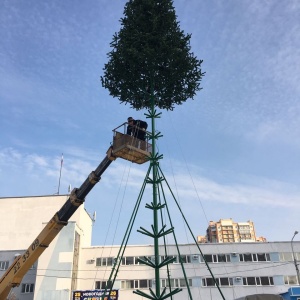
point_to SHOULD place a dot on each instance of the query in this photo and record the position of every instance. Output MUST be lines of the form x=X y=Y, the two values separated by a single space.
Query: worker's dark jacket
x=138 y=129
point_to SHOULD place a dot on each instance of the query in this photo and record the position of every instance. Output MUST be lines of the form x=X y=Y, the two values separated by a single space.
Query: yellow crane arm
x=15 y=273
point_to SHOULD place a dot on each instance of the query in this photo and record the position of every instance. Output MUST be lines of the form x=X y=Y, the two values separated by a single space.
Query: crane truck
x=124 y=146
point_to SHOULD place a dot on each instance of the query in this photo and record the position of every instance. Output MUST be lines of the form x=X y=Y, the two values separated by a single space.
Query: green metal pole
x=155 y=194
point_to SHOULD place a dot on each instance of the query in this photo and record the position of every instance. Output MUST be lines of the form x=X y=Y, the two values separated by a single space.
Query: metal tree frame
x=156 y=178
x=151 y=66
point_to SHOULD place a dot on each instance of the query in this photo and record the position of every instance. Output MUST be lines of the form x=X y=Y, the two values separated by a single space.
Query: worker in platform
x=137 y=128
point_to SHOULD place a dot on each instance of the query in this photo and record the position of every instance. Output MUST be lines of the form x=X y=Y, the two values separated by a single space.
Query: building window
x=128 y=284
x=4 y=265
x=144 y=283
x=208 y=282
x=249 y=281
x=216 y=258
x=136 y=262
x=223 y=258
x=264 y=280
x=182 y=282
x=246 y=257
x=101 y=285
x=222 y=281
x=128 y=260
x=163 y=257
x=263 y=257
x=183 y=258
x=136 y=284
x=176 y=282
x=290 y=280
x=209 y=257
x=143 y=258
x=168 y=282
x=104 y=261
x=27 y=288
x=286 y=256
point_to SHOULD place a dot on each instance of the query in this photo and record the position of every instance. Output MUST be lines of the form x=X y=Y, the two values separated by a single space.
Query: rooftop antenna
x=61 y=164
x=94 y=217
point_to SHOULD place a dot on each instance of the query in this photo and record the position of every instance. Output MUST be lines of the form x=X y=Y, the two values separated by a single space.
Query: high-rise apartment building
x=228 y=231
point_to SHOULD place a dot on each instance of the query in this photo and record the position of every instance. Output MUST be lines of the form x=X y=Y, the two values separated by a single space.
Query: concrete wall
x=23 y=218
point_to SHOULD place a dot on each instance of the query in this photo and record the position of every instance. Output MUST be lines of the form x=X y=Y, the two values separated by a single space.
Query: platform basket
x=131 y=148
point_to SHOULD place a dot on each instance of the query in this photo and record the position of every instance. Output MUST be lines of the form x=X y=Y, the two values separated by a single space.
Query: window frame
x=27 y=288
x=215 y=258
x=258 y=281
x=136 y=284
x=209 y=281
x=105 y=261
x=4 y=264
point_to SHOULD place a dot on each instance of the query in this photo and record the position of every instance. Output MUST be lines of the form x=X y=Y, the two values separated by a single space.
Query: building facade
x=54 y=275
x=71 y=263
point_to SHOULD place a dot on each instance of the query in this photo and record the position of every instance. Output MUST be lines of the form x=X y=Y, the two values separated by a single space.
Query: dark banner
x=95 y=295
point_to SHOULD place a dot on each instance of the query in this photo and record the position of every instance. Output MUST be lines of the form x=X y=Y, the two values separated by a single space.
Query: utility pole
x=61 y=164
x=294 y=258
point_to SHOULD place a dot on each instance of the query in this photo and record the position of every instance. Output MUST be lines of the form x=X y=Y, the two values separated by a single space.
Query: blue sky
x=232 y=152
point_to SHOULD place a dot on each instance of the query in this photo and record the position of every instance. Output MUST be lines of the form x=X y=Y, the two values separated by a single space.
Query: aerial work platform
x=130 y=148
x=124 y=146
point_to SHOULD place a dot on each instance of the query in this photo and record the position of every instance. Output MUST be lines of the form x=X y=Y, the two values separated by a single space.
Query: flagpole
x=61 y=163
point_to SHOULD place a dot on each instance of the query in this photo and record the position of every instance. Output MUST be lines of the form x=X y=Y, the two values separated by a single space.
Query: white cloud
x=273 y=193
x=29 y=174
x=189 y=186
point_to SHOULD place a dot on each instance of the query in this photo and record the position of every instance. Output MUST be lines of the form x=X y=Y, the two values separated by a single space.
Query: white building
x=71 y=263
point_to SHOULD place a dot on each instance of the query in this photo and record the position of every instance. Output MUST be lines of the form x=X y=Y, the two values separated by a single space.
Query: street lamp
x=295 y=261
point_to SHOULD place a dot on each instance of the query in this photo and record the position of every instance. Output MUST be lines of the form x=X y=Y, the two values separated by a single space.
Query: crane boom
x=124 y=146
x=15 y=273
